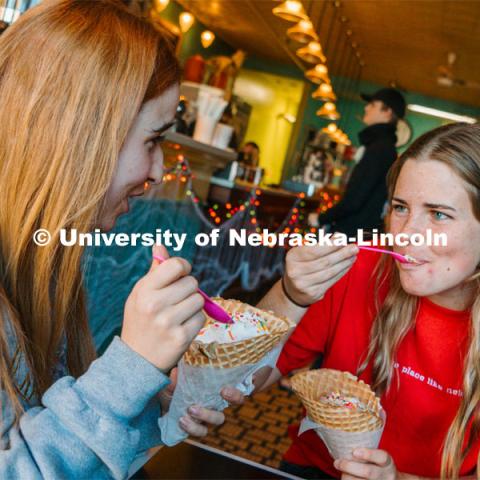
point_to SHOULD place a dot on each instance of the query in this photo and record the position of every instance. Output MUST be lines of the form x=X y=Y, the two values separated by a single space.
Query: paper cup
x=222 y=135
x=340 y=443
x=204 y=129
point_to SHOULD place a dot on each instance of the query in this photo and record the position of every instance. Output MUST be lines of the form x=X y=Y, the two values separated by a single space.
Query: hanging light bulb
x=207 y=37
x=160 y=5
x=337 y=136
x=291 y=10
x=318 y=74
x=324 y=92
x=328 y=110
x=185 y=20
x=330 y=129
x=312 y=53
x=302 y=32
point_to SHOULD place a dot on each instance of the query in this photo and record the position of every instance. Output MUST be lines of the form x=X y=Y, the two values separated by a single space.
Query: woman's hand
x=311 y=270
x=369 y=464
x=163 y=313
x=194 y=423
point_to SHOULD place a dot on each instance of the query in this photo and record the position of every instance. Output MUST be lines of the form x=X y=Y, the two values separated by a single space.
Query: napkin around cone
x=207 y=367
x=342 y=429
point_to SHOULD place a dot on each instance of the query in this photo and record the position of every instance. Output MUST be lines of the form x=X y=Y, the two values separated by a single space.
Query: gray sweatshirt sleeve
x=90 y=427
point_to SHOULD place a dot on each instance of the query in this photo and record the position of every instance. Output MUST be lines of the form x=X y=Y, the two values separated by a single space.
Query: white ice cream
x=246 y=325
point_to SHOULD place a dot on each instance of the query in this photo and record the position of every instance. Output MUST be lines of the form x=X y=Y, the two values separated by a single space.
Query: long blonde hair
x=458 y=146
x=73 y=76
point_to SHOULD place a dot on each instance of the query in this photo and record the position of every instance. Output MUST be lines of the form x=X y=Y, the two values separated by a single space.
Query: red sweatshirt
x=429 y=365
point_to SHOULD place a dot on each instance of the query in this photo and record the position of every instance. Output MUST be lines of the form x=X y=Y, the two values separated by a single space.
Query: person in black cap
x=366 y=193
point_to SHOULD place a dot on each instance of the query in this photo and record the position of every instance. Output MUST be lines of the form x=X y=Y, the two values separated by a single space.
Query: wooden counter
x=275 y=202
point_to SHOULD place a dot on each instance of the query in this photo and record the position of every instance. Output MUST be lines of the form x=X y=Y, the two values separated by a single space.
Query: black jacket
x=366 y=192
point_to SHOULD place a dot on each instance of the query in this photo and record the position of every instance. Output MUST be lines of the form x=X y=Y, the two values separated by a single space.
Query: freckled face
x=430 y=195
x=141 y=158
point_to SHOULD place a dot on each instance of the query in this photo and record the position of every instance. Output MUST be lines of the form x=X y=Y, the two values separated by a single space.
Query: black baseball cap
x=391 y=98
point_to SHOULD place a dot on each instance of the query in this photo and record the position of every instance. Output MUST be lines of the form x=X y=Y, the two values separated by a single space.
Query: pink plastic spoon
x=213 y=309
x=398 y=256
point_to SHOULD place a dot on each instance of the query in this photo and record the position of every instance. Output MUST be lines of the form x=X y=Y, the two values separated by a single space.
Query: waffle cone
x=244 y=352
x=312 y=384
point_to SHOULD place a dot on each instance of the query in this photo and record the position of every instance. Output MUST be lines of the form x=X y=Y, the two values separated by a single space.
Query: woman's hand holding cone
x=196 y=422
x=198 y=418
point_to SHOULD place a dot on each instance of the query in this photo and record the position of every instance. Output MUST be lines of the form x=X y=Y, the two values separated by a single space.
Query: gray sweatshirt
x=92 y=427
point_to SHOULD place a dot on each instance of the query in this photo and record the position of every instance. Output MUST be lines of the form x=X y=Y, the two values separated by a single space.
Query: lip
x=136 y=194
x=410 y=266
x=413 y=266
x=421 y=261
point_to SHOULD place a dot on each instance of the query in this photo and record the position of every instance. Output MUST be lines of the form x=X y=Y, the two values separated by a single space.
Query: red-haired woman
x=86 y=91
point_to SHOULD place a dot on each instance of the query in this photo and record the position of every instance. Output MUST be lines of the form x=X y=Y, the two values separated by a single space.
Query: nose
x=413 y=224
x=156 y=171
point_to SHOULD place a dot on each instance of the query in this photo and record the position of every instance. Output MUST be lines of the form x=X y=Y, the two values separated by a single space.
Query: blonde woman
x=411 y=331
x=86 y=91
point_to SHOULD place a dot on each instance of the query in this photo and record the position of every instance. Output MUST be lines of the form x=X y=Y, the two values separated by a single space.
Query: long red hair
x=73 y=76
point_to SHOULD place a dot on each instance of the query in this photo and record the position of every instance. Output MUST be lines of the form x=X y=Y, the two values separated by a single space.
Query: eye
x=155 y=141
x=438 y=215
x=398 y=208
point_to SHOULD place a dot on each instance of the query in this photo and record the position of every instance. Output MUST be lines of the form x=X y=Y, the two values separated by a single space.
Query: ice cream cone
x=249 y=351
x=341 y=428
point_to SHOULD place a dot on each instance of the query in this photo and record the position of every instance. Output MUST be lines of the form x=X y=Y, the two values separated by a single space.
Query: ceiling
x=401 y=42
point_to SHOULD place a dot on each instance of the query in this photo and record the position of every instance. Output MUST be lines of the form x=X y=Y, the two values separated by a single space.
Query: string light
x=219 y=213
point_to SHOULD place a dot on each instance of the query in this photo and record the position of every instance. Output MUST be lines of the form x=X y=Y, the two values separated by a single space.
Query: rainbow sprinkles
x=245 y=325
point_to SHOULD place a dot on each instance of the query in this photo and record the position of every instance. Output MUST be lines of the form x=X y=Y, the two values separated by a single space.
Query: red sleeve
x=315 y=332
x=310 y=337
